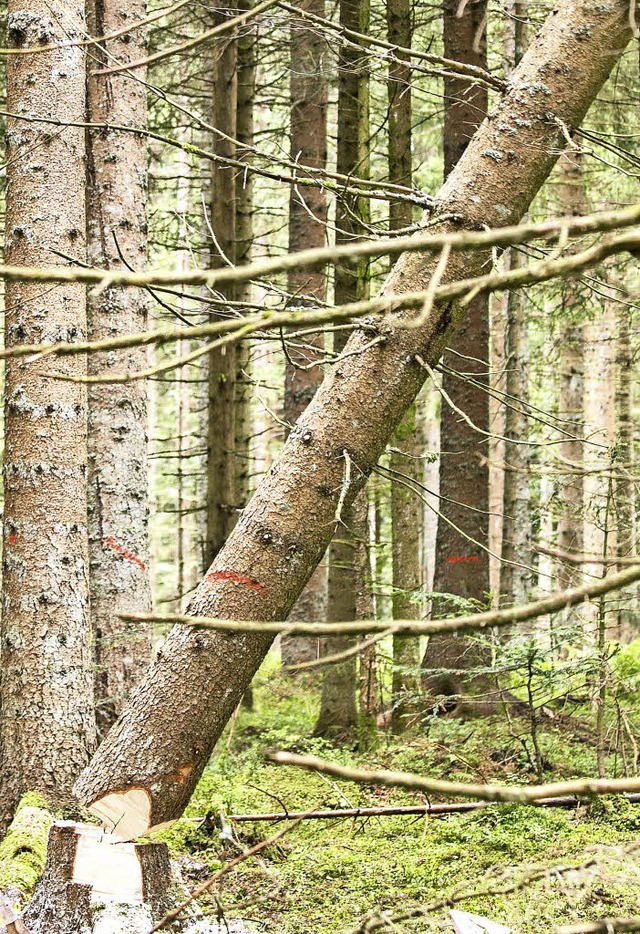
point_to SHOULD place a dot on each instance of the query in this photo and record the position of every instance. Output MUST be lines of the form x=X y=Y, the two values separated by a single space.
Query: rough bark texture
x=47 y=728
x=221 y=467
x=307 y=228
x=117 y=239
x=570 y=491
x=406 y=511
x=462 y=562
x=159 y=747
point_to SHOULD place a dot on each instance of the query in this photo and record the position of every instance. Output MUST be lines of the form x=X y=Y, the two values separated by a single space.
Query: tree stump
x=93 y=883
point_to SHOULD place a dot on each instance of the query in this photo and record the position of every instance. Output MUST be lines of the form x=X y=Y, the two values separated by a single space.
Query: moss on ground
x=328 y=875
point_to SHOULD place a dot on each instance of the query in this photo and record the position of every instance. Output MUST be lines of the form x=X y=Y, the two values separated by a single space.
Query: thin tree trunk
x=47 y=725
x=406 y=511
x=462 y=561
x=147 y=768
x=221 y=466
x=338 y=712
x=246 y=90
x=117 y=238
x=515 y=575
x=625 y=500
x=570 y=493
x=307 y=228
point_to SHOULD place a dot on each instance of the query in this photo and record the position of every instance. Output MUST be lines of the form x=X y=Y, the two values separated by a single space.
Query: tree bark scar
x=127 y=555
x=227 y=575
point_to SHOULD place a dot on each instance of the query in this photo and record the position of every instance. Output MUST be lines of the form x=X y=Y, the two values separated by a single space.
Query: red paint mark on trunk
x=457 y=559
x=127 y=555
x=236 y=579
x=13 y=538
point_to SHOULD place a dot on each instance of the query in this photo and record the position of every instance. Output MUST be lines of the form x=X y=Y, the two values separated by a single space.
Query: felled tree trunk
x=93 y=882
x=145 y=771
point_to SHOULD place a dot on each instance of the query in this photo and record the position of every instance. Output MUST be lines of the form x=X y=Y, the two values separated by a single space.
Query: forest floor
x=330 y=875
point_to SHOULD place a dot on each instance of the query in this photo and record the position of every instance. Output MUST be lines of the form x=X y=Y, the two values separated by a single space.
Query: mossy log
x=24 y=849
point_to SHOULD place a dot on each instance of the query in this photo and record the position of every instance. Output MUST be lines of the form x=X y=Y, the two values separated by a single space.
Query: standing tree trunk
x=47 y=726
x=462 y=561
x=338 y=712
x=406 y=509
x=515 y=574
x=246 y=89
x=221 y=441
x=570 y=492
x=147 y=768
x=117 y=238
x=626 y=482
x=307 y=228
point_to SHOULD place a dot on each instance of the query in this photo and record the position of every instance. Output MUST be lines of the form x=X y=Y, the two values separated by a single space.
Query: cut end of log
x=110 y=867
x=92 y=879
x=126 y=814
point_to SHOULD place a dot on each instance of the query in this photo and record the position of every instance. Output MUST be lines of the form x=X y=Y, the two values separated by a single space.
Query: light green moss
x=325 y=875
x=23 y=851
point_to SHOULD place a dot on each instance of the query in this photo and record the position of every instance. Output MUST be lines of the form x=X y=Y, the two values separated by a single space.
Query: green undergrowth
x=328 y=875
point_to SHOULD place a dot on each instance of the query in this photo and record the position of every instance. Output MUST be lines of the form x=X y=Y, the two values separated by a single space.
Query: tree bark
x=47 y=727
x=146 y=769
x=570 y=493
x=626 y=524
x=338 y=712
x=307 y=228
x=462 y=560
x=117 y=238
x=406 y=512
x=515 y=576
x=221 y=440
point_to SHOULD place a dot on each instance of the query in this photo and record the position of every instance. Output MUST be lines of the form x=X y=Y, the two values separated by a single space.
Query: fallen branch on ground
x=526 y=794
x=457 y=807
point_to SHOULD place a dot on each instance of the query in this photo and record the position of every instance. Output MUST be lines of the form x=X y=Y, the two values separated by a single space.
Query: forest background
x=197 y=138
